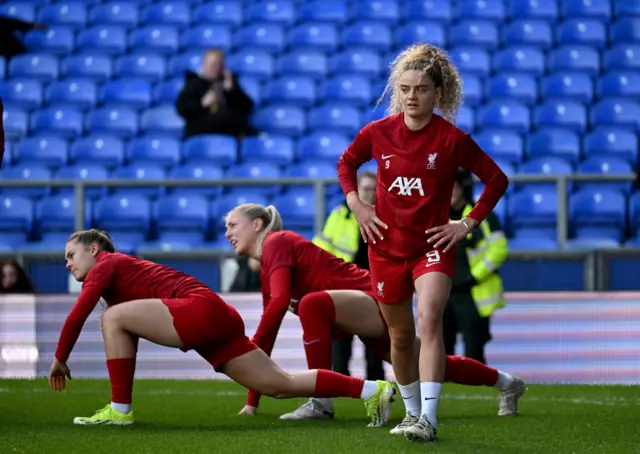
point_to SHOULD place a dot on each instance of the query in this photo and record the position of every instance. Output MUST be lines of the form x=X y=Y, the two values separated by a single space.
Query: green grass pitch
x=200 y=416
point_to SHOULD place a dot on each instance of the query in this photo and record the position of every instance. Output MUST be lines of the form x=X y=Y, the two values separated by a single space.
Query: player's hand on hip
x=248 y=410
x=447 y=235
x=58 y=374
x=370 y=225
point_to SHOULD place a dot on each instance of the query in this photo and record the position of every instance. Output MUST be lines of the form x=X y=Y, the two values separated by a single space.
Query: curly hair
x=436 y=64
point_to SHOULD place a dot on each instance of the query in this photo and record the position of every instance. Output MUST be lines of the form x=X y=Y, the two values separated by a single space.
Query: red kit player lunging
x=332 y=298
x=411 y=238
x=170 y=308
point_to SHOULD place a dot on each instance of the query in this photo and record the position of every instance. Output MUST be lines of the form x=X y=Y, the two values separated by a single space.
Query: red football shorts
x=207 y=324
x=393 y=281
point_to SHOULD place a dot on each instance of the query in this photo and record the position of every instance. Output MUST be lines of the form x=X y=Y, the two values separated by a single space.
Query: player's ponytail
x=270 y=217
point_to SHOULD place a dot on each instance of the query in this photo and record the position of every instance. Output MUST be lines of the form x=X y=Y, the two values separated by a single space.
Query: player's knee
x=311 y=306
x=402 y=339
x=429 y=320
x=110 y=319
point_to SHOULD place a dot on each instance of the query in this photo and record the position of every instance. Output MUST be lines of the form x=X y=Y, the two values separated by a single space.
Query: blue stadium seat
x=197 y=171
x=124 y=13
x=576 y=58
x=47 y=151
x=332 y=11
x=471 y=60
x=303 y=63
x=167 y=91
x=27 y=172
x=127 y=242
x=616 y=112
x=71 y=14
x=603 y=165
x=431 y=32
x=340 y=118
x=278 y=150
x=558 y=142
x=64 y=121
x=312 y=36
x=367 y=34
x=101 y=149
x=122 y=213
x=512 y=86
x=586 y=8
x=505 y=145
x=55 y=40
x=573 y=86
x=351 y=89
x=254 y=63
x=221 y=206
x=187 y=214
x=155 y=149
x=328 y=145
x=466 y=119
x=88 y=172
x=280 y=119
x=612 y=141
x=219 y=12
x=87 y=66
x=440 y=10
x=524 y=59
x=598 y=213
x=213 y=149
x=626 y=8
x=525 y=243
x=42 y=67
x=148 y=66
x=634 y=214
x=15 y=122
x=588 y=32
x=16 y=215
x=139 y=172
x=254 y=171
x=528 y=32
x=21 y=92
x=106 y=39
x=168 y=12
x=473 y=89
x=623 y=84
x=625 y=30
x=386 y=11
x=17 y=9
x=3 y=67
x=117 y=120
x=546 y=165
x=161 y=119
x=253 y=88
x=297 y=208
x=163 y=39
x=534 y=210
x=72 y=92
x=204 y=37
x=470 y=32
x=276 y=11
x=312 y=169
x=622 y=57
x=356 y=61
x=481 y=9
x=7 y=157
x=506 y=114
x=264 y=36
x=129 y=92
x=533 y=9
x=291 y=90
x=187 y=61
x=563 y=114
x=57 y=214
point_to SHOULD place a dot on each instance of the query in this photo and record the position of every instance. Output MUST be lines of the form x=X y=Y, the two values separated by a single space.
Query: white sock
x=430 y=398
x=411 y=397
x=504 y=380
x=369 y=389
x=122 y=408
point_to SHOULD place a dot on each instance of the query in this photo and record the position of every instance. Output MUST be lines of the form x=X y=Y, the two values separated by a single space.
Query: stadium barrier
x=544 y=337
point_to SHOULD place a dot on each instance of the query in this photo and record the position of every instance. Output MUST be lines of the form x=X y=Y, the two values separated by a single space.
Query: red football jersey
x=416 y=174
x=119 y=278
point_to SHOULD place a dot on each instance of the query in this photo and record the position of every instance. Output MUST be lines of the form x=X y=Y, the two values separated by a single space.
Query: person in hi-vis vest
x=341 y=237
x=476 y=291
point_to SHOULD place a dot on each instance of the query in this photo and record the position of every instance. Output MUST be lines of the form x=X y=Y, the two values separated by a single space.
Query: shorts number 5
x=433 y=257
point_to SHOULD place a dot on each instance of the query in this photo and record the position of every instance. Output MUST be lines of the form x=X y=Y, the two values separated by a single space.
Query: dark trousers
x=461 y=316
x=342 y=350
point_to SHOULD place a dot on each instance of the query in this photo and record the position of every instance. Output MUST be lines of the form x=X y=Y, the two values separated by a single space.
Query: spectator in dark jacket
x=212 y=101
x=10 y=44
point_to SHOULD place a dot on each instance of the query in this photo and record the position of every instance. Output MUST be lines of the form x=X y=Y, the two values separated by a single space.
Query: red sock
x=121 y=371
x=333 y=384
x=467 y=371
x=317 y=317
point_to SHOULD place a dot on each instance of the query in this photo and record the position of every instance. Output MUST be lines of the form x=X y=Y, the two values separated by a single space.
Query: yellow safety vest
x=340 y=235
x=485 y=258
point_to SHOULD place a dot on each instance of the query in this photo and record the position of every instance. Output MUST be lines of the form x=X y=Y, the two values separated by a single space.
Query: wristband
x=464 y=222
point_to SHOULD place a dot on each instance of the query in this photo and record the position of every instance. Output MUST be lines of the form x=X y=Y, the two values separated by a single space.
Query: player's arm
x=351 y=160
x=471 y=157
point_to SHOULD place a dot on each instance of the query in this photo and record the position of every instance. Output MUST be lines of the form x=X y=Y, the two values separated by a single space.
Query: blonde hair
x=434 y=62
x=271 y=220
x=88 y=237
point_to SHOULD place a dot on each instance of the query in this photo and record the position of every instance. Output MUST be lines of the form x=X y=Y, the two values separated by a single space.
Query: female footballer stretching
x=173 y=309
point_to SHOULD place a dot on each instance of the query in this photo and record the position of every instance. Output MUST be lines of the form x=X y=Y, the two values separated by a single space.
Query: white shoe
x=312 y=409
x=421 y=431
x=509 y=397
x=407 y=422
